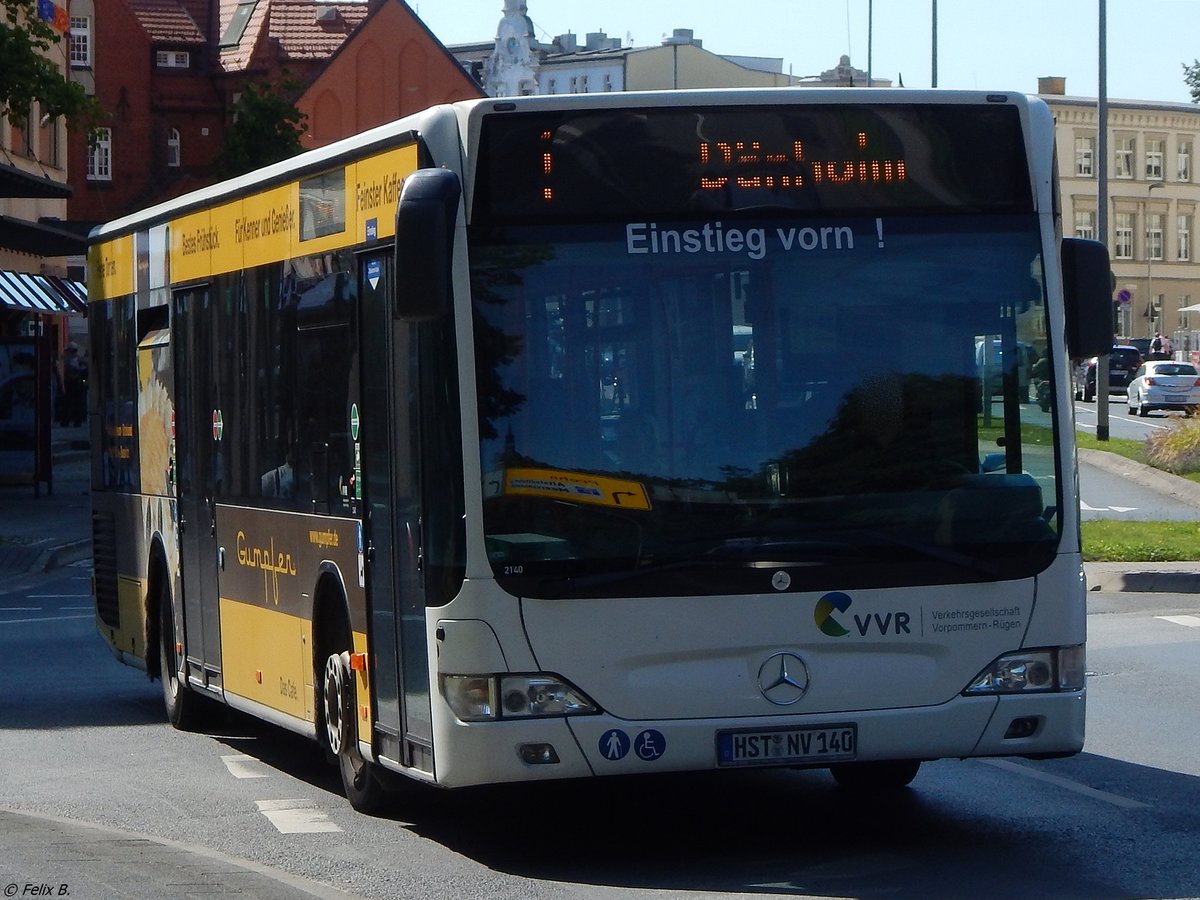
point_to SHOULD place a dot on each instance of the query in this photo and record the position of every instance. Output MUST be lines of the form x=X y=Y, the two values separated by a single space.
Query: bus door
x=198 y=470
x=391 y=482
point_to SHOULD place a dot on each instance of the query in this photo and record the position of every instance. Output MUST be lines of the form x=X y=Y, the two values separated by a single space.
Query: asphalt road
x=243 y=807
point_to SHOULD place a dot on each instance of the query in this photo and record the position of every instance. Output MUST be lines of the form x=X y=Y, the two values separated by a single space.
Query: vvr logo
x=836 y=601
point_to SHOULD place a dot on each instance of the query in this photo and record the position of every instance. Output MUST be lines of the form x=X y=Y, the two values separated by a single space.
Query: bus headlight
x=483 y=698
x=1042 y=670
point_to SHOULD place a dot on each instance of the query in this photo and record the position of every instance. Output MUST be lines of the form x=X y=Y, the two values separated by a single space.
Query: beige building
x=1154 y=194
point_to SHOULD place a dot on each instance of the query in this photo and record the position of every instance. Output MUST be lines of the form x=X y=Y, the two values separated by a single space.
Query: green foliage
x=1191 y=77
x=27 y=75
x=266 y=128
x=1126 y=447
x=1115 y=540
x=1175 y=449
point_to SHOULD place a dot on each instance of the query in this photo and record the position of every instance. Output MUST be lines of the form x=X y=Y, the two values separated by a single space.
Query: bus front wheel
x=362 y=782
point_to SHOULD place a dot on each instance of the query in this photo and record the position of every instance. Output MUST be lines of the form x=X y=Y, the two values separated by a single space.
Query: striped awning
x=42 y=293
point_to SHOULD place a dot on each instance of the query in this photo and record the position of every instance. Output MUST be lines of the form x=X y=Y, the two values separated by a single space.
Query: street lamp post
x=1149 y=275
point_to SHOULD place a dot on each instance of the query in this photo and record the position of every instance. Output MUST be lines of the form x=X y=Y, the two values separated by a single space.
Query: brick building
x=170 y=71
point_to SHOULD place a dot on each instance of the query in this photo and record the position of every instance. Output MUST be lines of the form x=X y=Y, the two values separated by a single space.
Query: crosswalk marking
x=1189 y=621
x=242 y=766
x=295 y=816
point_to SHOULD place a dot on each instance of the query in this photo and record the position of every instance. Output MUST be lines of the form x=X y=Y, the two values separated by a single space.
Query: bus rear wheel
x=873 y=777
x=360 y=778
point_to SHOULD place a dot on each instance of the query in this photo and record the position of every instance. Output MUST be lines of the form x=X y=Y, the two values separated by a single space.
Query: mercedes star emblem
x=783 y=678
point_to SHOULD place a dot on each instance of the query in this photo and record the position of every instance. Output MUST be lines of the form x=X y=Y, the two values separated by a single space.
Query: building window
x=1123 y=167
x=1154 y=158
x=1085 y=151
x=19 y=139
x=80 y=40
x=583 y=83
x=551 y=85
x=49 y=151
x=1183 y=161
x=99 y=166
x=1185 y=300
x=1154 y=236
x=172 y=59
x=1123 y=244
x=574 y=84
x=1183 y=226
x=1085 y=224
x=173 y=148
x=608 y=81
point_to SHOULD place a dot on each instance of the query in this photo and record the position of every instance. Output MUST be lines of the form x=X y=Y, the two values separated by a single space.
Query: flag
x=54 y=15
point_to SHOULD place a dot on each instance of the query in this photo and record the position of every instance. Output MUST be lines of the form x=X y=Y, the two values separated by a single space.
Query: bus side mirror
x=425 y=219
x=1087 y=297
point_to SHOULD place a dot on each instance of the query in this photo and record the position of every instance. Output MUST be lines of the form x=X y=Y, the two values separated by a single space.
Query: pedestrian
x=1166 y=347
x=74 y=386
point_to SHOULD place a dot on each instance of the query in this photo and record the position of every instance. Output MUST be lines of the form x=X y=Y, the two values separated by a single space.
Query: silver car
x=1164 y=384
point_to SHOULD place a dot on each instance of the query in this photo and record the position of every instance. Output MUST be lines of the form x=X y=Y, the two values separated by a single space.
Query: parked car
x=1164 y=384
x=1123 y=361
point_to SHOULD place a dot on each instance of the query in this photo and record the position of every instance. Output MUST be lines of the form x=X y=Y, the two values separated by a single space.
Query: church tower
x=511 y=70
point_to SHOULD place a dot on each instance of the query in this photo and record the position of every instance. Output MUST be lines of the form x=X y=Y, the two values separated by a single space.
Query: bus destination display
x=615 y=163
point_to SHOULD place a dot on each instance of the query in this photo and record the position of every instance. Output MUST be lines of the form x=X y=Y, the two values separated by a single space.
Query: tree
x=1191 y=77
x=27 y=74
x=266 y=128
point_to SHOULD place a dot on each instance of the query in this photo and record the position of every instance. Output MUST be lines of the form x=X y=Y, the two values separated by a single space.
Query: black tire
x=362 y=780
x=1143 y=410
x=185 y=708
x=1089 y=394
x=876 y=777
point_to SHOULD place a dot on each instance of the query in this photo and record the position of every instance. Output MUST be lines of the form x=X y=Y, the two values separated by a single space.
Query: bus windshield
x=847 y=414
x=710 y=361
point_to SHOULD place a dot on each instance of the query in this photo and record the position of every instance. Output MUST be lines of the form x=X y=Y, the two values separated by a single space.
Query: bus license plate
x=784 y=746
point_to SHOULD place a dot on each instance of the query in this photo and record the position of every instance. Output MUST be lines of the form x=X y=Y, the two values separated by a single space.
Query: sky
x=1003 y=45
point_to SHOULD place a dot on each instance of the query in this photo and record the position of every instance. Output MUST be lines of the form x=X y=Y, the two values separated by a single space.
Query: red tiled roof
x=302 y=29
x=166 y=21
x=307 y=30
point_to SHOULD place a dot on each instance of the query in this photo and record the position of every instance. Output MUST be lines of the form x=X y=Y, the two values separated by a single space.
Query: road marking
x=1122 y=509
x=242 y=766
x=295 y=816
x=58 y=596
x=1189 y=621
x=1114 y=799
x=44 y=619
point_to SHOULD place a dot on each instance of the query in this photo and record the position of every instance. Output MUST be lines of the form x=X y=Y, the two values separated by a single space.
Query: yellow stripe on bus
x=110 y=269
x=266 y=656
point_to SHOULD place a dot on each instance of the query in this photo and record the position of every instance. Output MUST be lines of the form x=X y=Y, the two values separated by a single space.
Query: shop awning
x=40 y=239
x=15 y=182
x=42 y=293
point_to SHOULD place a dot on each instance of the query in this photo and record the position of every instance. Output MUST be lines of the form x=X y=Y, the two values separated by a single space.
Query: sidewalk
x=55 y=529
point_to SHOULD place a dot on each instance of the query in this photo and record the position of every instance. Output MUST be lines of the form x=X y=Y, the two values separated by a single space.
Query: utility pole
x=1102 y=208
x=933 y=80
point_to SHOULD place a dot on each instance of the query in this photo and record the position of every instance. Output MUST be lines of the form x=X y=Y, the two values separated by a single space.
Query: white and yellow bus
x=572 y=436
